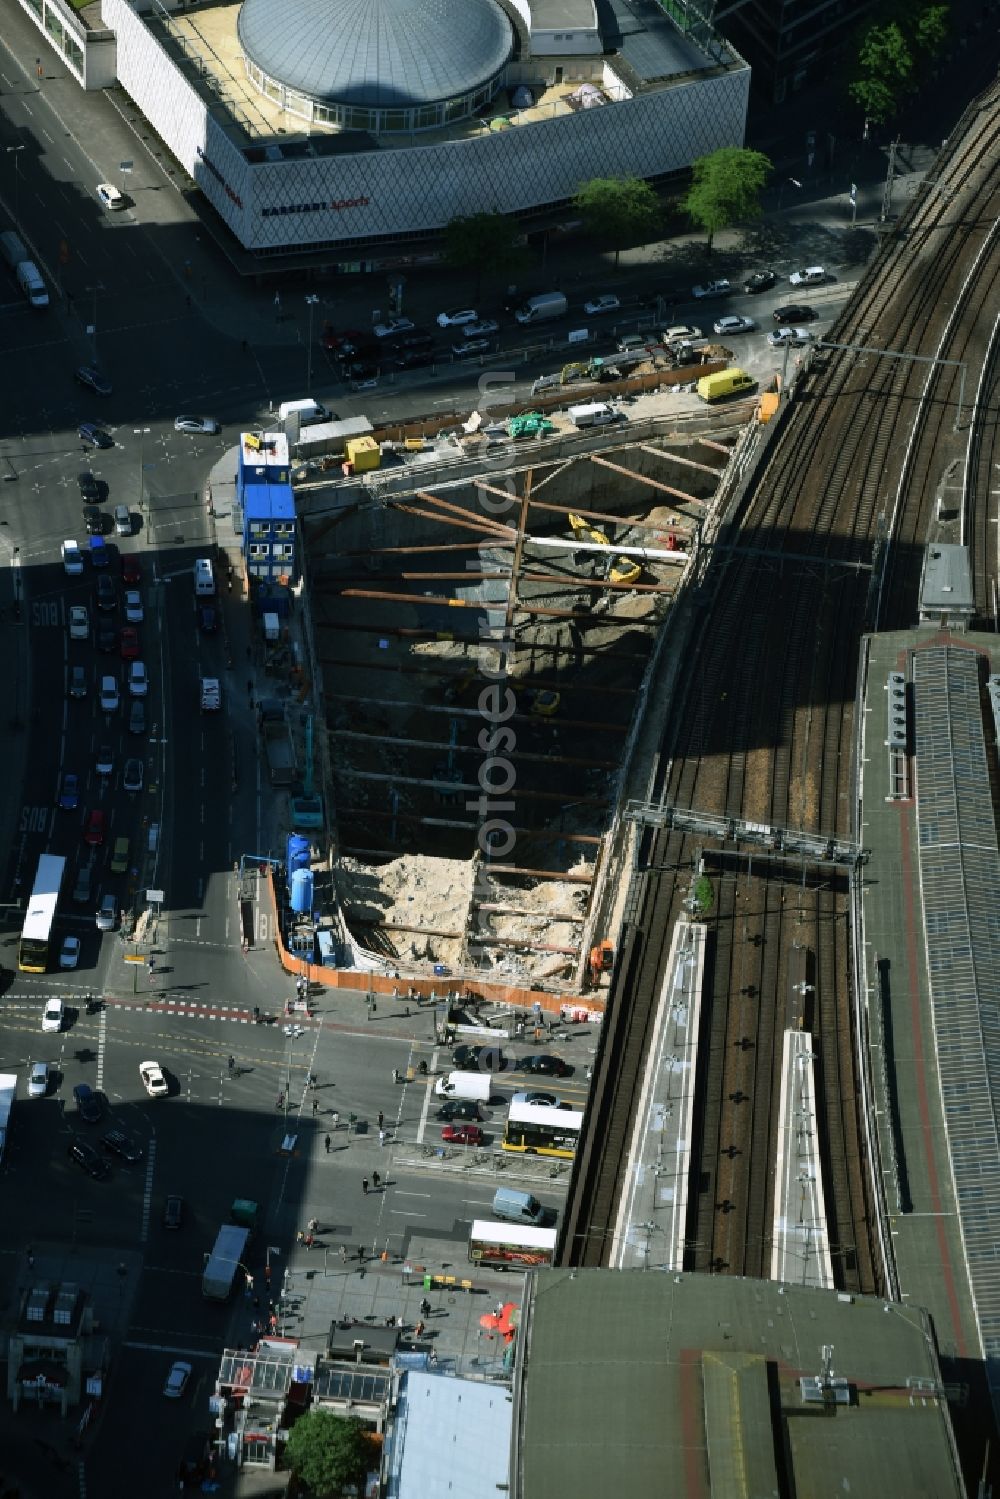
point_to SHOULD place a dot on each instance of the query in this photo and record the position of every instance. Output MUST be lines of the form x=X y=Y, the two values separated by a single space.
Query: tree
x=482 y=241
x=621 y=211
x=889 y=55
x=328 y=1452
x=726 y=188
x=931 y=29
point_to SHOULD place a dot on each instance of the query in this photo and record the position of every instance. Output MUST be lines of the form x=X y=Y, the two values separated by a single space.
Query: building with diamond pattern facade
x=312 y=124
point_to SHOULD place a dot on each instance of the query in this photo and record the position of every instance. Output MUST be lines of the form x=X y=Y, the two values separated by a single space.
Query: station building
x=310 y=126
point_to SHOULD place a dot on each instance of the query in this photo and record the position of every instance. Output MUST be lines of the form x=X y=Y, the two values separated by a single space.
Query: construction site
x=485 y=641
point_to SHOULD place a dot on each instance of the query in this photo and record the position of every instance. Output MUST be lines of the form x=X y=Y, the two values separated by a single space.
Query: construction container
x=363 y=453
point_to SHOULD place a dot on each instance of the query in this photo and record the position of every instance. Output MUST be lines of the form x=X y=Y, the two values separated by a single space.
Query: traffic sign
x=155 y=897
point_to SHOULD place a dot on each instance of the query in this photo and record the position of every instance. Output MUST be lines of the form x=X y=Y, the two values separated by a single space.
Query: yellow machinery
x=620 y=569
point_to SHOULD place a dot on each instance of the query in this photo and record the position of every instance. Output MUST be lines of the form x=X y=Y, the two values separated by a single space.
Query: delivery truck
x=544 y=307
x=474 y=1086
x=223 y=1263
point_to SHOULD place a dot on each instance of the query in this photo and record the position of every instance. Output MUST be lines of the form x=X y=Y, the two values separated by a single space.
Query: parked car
x=177 y=1379
x=545 y=1066
x=117 y=1142
x=812 y=275
x=598 y=305
x=393 y=327
x=94 y=379
x=132 y=775
x=173 y=1212
x=794 y=336
x=93 y=521
x=105 y=636
x=38 y=1079
x=474 y=346
x=109 y=695
x=94 y=434
x=88 y=1159
x=72 y=559
x=414 y=359
x=138 y=682
x=106 y=593
x=131 y=568
x=128 y=643
x=478 y=1059
x=457 y=318
x=760 y=281
x=88 y=1103
x=540 y=1100
x=53 y=1015
x=711 y=289
x=69 y=794
x=458 y=1109
x=730 y=325
x=69 y=951
x=197 y=425
x=462 y=1134
x=110 y=196
x=79 y=622
x=363 y=376
x=77 y=682
x=107 y=913
x=133 y=606
x=153 y=1080
x=680 y=333
x=95 y=827
x=91 y=490
x=792 y=313
x=137 y=716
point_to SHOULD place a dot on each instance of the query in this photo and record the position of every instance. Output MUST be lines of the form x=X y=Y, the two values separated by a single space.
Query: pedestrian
x=376 y=1180
x=418 y=1331
x=381 y=1118
x=343 y=1254
x=335 y=1118
x=433 y=1358
x=395 y=1074
x=498 y=1309
x=364 y=1185
x=315 y=1107
x=299 y=1236
x=381 y=1137
x=313 y=1225
x=267 y=1274
x=274 y=1322
x=425 y=1308
x=309 y=1241
x=232 y=1064
x=326 y=1142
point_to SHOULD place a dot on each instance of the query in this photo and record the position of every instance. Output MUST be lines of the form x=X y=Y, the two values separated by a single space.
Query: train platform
x=913 y=1144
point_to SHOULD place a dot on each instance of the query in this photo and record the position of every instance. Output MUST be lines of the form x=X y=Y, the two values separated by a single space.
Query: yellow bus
x=534 y=1129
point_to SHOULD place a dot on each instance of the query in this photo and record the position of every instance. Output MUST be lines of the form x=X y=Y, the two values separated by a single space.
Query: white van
x=204 y=578
x=29 y=279
x=474 y=1086
x=595 y=414
x=518 y=1207
x=307 y=410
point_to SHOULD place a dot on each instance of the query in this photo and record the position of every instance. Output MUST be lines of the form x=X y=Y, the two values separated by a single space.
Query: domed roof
x=376 y=54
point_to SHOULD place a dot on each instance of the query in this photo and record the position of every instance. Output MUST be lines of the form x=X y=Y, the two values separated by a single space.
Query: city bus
x=36 y=934
x=537 y=1130
x=503 y=1246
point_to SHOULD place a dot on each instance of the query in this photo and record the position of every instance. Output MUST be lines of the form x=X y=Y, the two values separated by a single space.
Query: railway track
x=764 y=726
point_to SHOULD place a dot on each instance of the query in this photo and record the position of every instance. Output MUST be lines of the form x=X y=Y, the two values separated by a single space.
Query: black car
x=208 y=620
x=137 y=716
x=88 y=1159
x=88 y=1103
x=173 y=1212
x=416 y=341
x=787 y=317
x=458 y=1109
x=414 y=359
x=760 y=281
x=478 y=1059
x=544 y=1066
x=92 y=433
x=106 y=597
x=94 y=379
x=106 y=636
x=91 y=489
x=93 y=519
x=117 y=1142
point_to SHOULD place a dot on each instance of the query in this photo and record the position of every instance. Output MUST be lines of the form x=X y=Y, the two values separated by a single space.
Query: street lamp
x=15 y=151
x=142 y=433
x=311 y=302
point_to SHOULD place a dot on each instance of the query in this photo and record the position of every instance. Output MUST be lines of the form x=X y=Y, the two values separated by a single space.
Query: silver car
x=197 y=424
x=107 y=914
x=38 y=1080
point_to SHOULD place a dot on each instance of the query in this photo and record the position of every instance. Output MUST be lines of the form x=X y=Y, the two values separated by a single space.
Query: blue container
x=302 y=891
x=296 y=853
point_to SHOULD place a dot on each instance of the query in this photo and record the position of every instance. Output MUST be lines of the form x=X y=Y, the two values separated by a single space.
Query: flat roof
x=626 y=1377
x=264 y=501
x=451 y=1439
x=946 y=584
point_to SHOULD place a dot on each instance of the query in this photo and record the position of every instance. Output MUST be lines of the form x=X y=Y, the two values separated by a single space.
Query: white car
x=110 y=196
x=38 y=1080
x=109 y=695
x=52 y=1015
x=79 y=622
x=793 y=336
x=597 y=305
x=69 y=953
x=153 y=1080
x=711 y=289
x=456 y=319
x=177 y=1379
x=813 y=275
x=680 y=333
x=393 y=326
x=734 y=325
x=485 y=328
x=133 y=606
x=72 y=559
x=107 y=914
x=138 y=682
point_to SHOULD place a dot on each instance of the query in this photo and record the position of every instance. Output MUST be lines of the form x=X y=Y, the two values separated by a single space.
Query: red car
x=462 y=1134
x=131 y=568
x=93 y=828
x=129 y=643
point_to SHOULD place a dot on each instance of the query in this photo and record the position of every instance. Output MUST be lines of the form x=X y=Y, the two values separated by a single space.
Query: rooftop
x=452 y=1438
x=702 y=1377
x=946 y=584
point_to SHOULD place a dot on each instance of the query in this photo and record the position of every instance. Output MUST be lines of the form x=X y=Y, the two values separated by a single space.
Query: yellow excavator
x=620 y=569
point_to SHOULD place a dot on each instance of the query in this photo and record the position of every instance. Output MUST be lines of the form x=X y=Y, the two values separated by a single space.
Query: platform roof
x=626 y=1377
x=946 y=585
